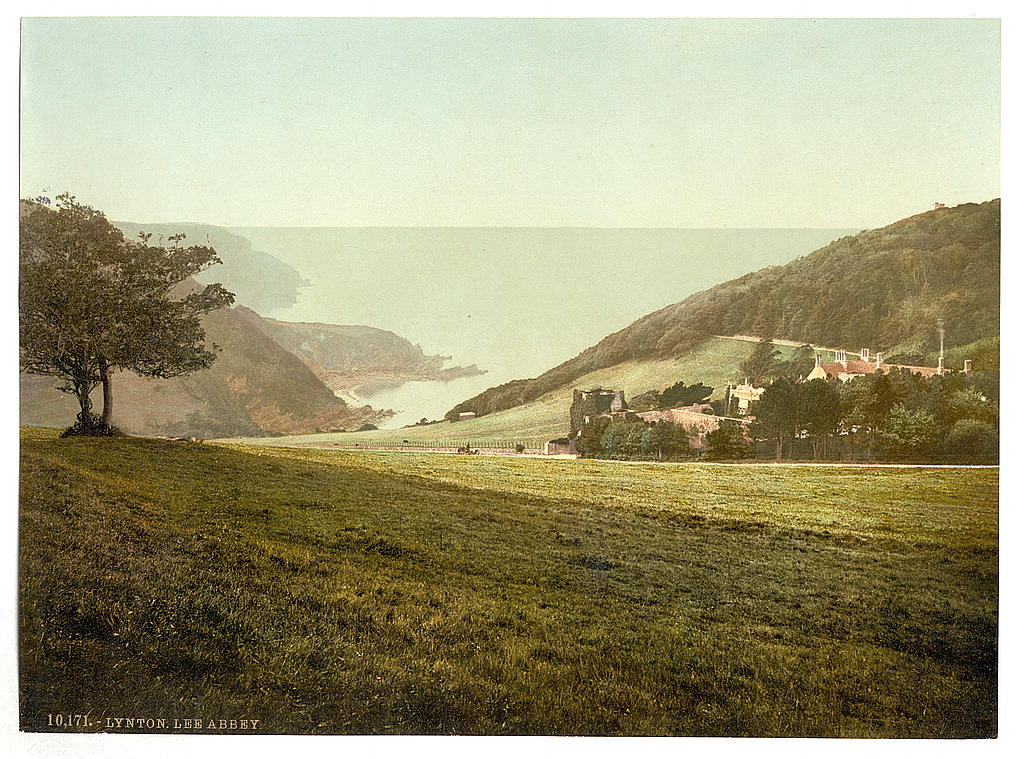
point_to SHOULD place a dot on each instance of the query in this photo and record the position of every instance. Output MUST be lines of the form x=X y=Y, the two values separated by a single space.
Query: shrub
x=90 y=425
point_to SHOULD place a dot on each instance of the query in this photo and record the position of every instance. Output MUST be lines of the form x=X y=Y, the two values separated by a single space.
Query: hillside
x=327 y=592
x=356 y=358
x=888 y=289
x=257 y=279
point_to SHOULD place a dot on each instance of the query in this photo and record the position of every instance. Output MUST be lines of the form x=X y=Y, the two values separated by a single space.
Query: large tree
x=779 y=414
x=763 y=360
x=92 y=302
x=820 y=412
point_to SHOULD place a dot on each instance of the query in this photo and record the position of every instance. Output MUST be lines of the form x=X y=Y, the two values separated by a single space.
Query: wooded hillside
x=888 y=289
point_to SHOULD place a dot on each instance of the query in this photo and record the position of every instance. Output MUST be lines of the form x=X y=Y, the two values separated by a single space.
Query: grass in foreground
x=345 y=592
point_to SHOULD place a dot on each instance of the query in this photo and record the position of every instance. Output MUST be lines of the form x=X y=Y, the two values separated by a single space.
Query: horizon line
x=475 y=226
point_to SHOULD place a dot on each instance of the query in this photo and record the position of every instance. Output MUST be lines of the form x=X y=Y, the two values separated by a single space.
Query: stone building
x=746 y=394
x=594 y=402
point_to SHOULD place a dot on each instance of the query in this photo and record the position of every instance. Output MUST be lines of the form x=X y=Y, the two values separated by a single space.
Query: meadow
x=361 y=592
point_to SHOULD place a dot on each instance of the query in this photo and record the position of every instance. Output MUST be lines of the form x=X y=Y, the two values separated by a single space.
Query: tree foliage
x=633 y=439
x=92 y=302
x=681 y=394
x=727 y=443
x=898 y=416
x=764 y=358
x=972 y=441
x=799 y=365
x=910 y=433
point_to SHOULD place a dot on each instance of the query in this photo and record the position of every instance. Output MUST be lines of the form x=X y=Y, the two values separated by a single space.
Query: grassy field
x=715 y=363
x=360 y=592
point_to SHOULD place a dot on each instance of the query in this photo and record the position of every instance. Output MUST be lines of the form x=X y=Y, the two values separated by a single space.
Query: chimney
x=942 y=350
x=967 y=366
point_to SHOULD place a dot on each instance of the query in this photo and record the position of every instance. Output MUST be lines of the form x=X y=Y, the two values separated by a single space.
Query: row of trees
x=679 y=394
x=898 y=416
x=92 y=302
x=632 y=438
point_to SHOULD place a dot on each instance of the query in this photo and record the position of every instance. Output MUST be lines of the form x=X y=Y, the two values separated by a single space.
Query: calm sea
x=515 y=301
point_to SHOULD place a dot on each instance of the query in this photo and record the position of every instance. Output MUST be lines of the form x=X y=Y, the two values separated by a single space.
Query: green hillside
x=348 y=592
x=888 y=289
x=715 y=362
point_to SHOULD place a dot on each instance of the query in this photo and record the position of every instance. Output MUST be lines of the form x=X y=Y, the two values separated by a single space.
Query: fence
x=492 y=447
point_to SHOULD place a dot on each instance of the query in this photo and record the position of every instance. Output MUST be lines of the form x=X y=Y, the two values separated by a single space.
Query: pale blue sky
x=485 y=122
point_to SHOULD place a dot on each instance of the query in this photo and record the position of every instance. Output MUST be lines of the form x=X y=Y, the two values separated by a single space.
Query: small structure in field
x=562 y=446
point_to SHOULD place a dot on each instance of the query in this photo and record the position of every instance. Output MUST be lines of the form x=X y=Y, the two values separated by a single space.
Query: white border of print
x=114 y=746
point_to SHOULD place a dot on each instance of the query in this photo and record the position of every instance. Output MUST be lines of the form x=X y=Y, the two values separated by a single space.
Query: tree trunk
x=82 y=393
x=108 y=396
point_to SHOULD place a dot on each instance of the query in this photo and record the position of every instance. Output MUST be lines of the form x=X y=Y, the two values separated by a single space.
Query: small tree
x=779 y=413
x=611 y=440
x=631 y=445
x=820 y=412
x=92 y=302
x=665 y=440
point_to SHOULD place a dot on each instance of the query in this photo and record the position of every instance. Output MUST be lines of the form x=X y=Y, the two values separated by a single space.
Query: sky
x=448 y=122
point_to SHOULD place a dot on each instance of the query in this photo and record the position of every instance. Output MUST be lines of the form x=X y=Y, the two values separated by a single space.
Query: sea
x=515 y=301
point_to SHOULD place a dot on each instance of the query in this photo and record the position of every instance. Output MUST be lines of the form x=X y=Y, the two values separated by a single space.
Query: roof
x=856 y=366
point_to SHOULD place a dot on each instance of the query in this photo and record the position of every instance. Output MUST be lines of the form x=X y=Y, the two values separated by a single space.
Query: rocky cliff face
x=357 y=358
